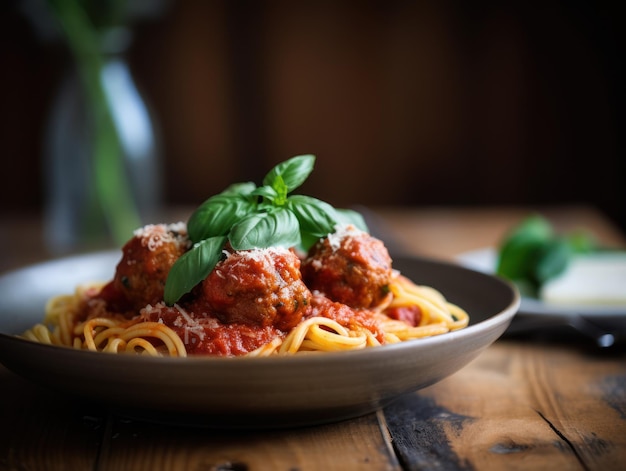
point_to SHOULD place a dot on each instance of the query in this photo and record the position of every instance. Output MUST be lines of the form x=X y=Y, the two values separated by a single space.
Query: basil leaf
x=267 y=192
x=348 y=216
x=281 y=189
x=316 y=217
x=243 y=189
x=552 y=260
x=521 y=249
x=217 y=215
x=532 y=254
x=293 y=172
x=192 y=267
x=276 y=228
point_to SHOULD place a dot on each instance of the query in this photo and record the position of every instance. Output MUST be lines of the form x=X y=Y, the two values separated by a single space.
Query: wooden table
x=531 y=402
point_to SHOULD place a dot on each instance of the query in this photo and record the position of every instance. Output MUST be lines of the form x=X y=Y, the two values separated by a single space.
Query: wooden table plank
x=358 y=444
x=533 y=403
x=524 y=403
x=519 y=405
x=576 y=394
x=45 y=430
x=52 y=431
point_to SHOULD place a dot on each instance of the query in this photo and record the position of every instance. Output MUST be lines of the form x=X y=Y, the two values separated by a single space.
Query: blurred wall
x=411 y=103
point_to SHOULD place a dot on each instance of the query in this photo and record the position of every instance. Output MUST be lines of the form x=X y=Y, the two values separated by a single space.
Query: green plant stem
x=111 y=181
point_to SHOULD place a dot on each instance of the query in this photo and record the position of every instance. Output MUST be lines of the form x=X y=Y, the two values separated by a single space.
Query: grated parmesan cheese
x=154 y=236
x=263 y=256
x=192 y=326
x=258 y=254
x=184 y=320
x=341 y=233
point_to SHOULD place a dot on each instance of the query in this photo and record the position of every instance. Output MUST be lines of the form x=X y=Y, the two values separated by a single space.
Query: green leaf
x=519 y=251
x=533 y=254
x=266 y=192
x=192 y=267
x=293 y=172
x=348 y=216
x=276 y=228
x=316 y=217
x=281 y=190
x=243 y=189
x=552 y=260
x=217 y=215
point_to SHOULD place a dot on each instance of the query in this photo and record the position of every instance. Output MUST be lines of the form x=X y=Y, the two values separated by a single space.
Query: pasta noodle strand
x=114 y=334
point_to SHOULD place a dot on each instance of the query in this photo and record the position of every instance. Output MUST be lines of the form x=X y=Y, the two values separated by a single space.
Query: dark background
x=408 y=103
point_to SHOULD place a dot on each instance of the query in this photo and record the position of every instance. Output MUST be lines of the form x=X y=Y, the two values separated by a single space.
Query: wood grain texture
x=45 y=430
x=518 y=406
x=52 y=432
x=352 y=445
x=527 y=402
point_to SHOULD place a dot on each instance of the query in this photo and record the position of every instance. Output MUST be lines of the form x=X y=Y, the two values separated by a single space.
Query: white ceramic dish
x=242 y=392
x=603 y=323
x=485 y=260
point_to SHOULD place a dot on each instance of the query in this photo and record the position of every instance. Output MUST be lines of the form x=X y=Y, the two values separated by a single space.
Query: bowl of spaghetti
x=264 y=309
x=233 y=392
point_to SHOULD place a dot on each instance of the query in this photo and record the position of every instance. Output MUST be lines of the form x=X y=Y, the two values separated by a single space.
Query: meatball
x=146 y=261
x=350 y=267
x=260 y=287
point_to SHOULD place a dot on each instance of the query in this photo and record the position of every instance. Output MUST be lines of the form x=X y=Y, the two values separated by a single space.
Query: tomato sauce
x=412 y=315
x=250 y=297
x=344 y=315
x=205 y=334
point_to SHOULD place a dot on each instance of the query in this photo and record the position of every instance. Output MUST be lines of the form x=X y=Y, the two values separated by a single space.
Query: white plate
x=604 y=324
x=248 y=392
x=485 y=260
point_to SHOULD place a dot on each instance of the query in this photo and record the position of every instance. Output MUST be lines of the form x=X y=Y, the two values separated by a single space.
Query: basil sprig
x=250 y=216
x=532 y=253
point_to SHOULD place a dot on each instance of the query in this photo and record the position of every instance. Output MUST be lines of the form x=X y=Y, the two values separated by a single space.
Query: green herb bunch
x=532 y=253
x=249 y=216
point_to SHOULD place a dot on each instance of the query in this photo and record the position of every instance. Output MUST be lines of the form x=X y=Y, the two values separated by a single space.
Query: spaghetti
x=116 y=334
x=113 y=334
x=256 y=271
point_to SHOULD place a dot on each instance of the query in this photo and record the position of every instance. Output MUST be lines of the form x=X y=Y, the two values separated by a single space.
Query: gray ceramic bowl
x=241 y=392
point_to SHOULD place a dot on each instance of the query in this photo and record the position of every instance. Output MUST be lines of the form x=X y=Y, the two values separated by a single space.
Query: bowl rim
x=503 y=317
